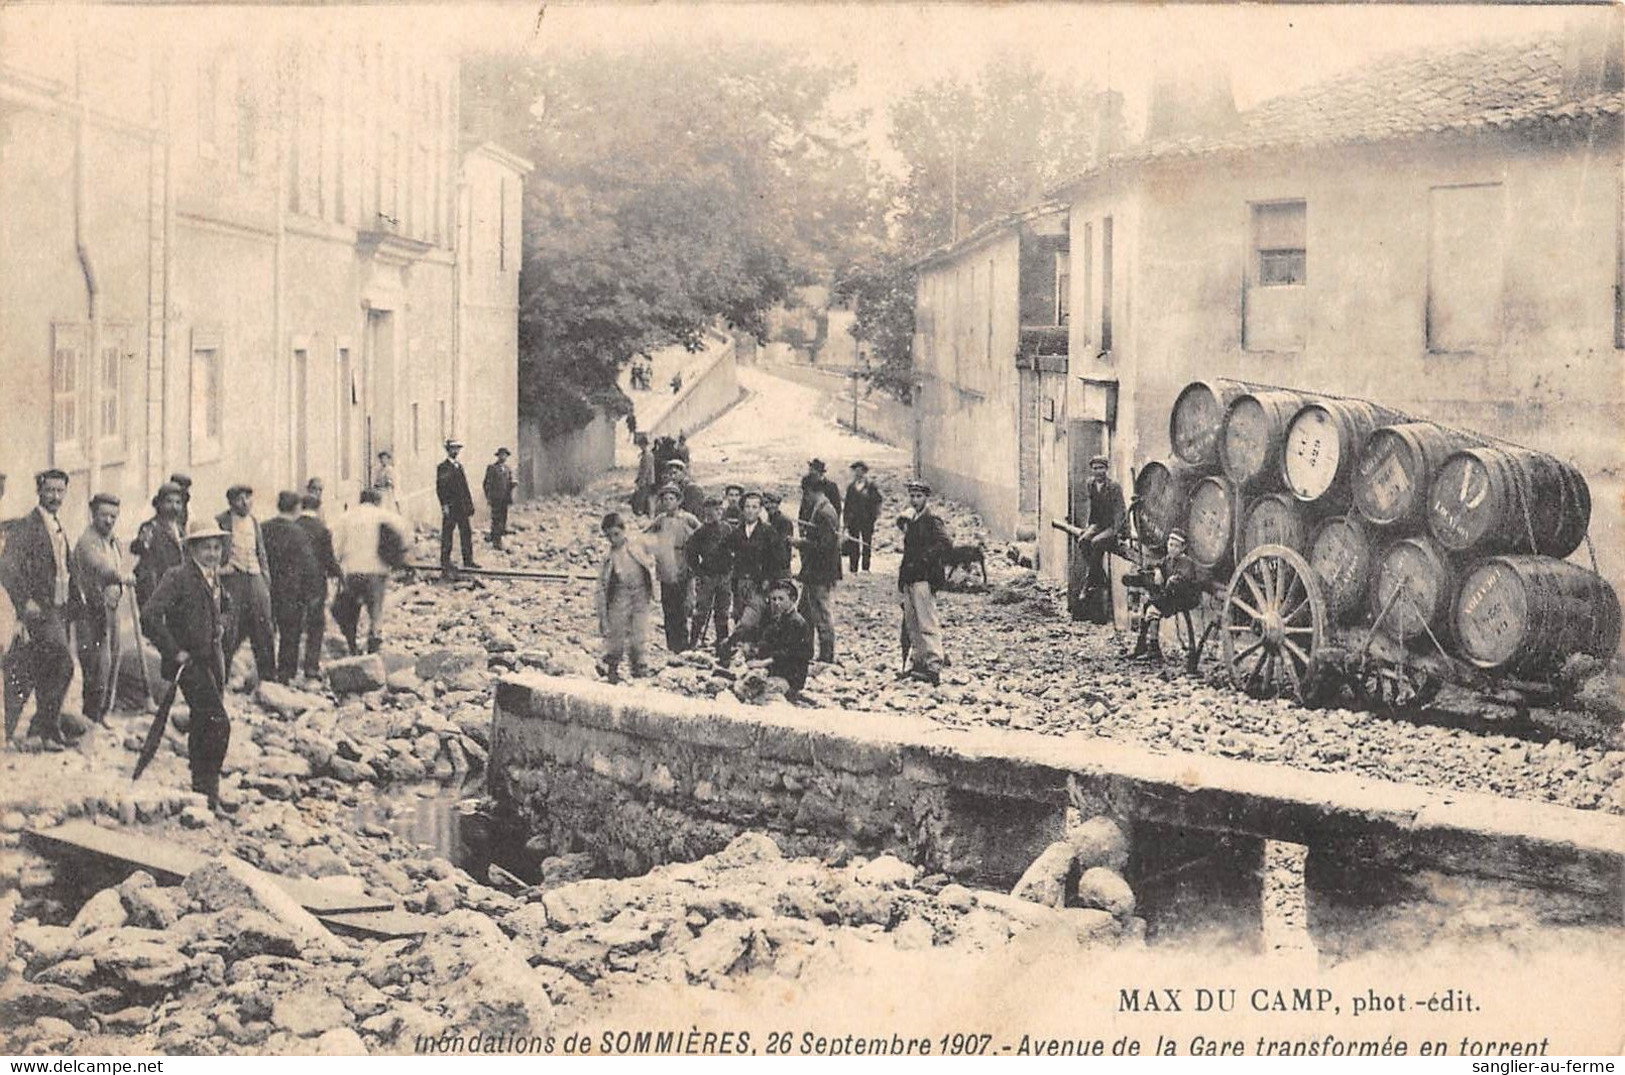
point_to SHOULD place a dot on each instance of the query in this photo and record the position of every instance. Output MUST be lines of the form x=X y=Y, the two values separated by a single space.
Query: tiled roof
x=1496 y=86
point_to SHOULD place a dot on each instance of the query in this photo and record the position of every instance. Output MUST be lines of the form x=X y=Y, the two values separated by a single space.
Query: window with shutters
x=111 y=400
x=67 y=394
x=208 y=419
x=1466 y=263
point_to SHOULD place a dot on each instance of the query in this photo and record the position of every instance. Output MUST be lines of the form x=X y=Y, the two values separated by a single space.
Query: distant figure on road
x=456 y=505
x=499 y=486
x=863 y=501
x=625 y=584
x=677 y=382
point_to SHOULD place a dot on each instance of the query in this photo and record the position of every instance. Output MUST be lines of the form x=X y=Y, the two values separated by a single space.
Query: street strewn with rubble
x=327 y=781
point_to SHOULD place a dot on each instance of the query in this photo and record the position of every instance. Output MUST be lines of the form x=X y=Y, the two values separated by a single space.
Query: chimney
x=1111 y=128
x=1593 y=42
x=1190 y=98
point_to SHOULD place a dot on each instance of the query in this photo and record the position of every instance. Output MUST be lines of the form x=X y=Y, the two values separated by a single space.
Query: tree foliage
x=988 y=146
x=672 y=190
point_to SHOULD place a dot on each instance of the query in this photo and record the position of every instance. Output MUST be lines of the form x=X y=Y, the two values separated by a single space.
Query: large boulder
x=1106 y=890
x=309 y=1013
x=104 y=910
x=1099 y=842
x=1045 y=880
x=286 y=702
x=357 y=675
x=446 y=663
x=485 y=984
x=227 y=882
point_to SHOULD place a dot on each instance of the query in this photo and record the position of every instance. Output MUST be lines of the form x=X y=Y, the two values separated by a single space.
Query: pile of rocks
x=1084 y=869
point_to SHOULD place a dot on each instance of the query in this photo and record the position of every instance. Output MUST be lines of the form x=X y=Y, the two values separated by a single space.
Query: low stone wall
x=641 y=777
x=705 y=396
x=566 y=464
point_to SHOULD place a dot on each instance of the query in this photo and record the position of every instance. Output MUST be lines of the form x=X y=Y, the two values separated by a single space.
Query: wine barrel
x=1322 y=448
x=1210 y=523
x=1275 y=519
x=1164 y=492
x=1493 y=499
x=1419 y=568
x=1526 y=614
x=1197 y=420
x=1254 y=431
x=1341 y=556
x=1396 y=469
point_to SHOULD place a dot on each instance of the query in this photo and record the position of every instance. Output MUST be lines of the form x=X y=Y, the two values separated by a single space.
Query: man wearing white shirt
x=357 y=537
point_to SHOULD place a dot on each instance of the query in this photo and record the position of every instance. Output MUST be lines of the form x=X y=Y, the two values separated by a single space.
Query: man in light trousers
x=925 y=543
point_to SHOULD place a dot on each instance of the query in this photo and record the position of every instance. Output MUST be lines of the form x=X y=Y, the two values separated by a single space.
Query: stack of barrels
x=1430 y=533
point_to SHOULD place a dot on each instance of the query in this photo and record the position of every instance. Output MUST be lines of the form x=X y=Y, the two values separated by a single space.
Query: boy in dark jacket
x=760 y=555
x=784 y=642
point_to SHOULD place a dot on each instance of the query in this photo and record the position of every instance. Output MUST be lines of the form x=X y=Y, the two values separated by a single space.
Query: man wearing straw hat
x=186 y=620
x=101 y=574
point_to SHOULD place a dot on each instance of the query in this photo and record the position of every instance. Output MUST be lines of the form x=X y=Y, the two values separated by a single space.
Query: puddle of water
x=446 y=817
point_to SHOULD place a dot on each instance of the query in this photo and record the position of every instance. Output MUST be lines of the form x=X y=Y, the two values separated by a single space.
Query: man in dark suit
x=456 y=505
x=186 y=620
x=499 y=486
x=246 y=574
x=321 y=543
x=820 y=546
x=1103 y=518
x=296 y=581
x=34 y=570
x=160 y=541
x=760 y=555
x=863 y=502
x=816 y=475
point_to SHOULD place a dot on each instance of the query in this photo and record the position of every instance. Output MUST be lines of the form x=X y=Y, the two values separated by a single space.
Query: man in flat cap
x=456 y=505
x=160 y=541
x=1175 y=586
x=925 y=544
x=863 y=500
x=245 y=572
x=186 y=619
x=668 y=536
x=711 y=561
x=820 y=545
x=1103 y=517
x=101 y=573
x=499 y=486
x=36 y=573
x=783 y=645
x=675 y=472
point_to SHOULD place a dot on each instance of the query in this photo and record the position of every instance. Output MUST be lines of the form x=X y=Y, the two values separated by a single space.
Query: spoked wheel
x=1387 y=688
x=1274 y=618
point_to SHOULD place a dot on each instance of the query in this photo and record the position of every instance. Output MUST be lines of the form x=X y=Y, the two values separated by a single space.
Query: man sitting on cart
x=1173 y=585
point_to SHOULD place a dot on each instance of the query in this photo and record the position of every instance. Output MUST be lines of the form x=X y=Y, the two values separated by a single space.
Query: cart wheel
x=1386 y=688
x=1274 y=620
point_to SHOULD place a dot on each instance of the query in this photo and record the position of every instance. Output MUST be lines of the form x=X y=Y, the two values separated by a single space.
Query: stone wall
x=641 y=777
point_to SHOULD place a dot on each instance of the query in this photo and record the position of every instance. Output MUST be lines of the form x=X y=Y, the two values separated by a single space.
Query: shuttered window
x=67 y=382
x=1280 y=245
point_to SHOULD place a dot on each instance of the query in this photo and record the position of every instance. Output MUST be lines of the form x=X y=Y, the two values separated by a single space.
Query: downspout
x=158 y=455
x=279 y=356
x=92 y=293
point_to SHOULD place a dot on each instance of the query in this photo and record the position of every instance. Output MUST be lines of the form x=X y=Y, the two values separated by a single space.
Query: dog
x=965 y=557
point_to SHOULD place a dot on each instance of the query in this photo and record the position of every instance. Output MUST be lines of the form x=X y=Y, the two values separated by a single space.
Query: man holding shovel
x=100 y=571
x=185 y=619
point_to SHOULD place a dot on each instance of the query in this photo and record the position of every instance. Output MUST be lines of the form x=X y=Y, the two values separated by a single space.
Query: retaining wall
x=642 y=777
x=880 y=416
x=564 y=464
x=705 y=395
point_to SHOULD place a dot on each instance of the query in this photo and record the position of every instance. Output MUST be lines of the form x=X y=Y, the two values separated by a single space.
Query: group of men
x=724 y=563
x=200 y=586
x=457 y=501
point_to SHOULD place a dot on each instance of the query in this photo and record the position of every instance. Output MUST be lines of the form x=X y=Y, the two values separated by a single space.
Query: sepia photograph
x=834 y=530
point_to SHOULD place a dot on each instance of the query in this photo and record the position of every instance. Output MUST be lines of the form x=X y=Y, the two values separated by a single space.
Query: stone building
x=1440 y=232
x=248 y=253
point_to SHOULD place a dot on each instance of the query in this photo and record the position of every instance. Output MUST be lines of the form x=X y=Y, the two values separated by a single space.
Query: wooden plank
x=171 y=862
x=380 y=925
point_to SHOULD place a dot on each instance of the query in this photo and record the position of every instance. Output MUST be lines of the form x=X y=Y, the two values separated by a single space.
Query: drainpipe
x=92 y=293
x=158 y=363
x=279 y=356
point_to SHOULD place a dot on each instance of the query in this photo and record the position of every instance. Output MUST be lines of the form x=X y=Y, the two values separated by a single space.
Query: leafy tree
x=672 y=189
x=986 y=146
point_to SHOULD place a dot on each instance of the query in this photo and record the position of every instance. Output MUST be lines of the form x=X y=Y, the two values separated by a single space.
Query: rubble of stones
x=1016 y=662
x=225 y=963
